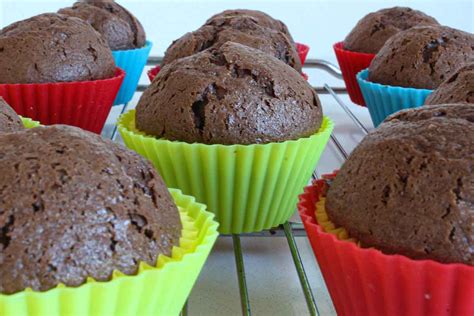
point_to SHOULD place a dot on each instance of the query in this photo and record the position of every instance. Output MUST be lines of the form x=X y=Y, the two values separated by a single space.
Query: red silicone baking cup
x=155 y=70
x=368 y=282
x=351 y=63
x=85 y=104
x=302 y=50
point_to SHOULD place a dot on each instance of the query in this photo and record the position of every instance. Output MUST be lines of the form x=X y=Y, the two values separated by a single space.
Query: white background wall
x=318 y=23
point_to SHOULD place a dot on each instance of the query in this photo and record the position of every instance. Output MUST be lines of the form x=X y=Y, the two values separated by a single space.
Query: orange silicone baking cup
x=351 y=63
x=85 y=104
x=365 y=281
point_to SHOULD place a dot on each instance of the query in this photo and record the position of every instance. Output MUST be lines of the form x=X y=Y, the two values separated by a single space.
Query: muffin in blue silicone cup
x=132 y=61
x=124 y=34
x=410 y=65
x=383 y=100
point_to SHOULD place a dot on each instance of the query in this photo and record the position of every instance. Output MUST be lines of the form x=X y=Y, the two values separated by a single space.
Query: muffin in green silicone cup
x=105 y=237
x=238 y=129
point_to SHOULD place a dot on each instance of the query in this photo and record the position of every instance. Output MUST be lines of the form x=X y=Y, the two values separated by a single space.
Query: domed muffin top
x=458 y=88
x=230 y=95
x=243 y=30
x=260 y=17
x=422 y=57
x=117 y=25
x=374 y=29
x=53 y=48
x=75 y=206
x=9 y=120
x=408 y=188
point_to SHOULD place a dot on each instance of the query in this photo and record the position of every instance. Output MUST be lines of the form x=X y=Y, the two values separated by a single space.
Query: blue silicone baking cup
x=383 y=100
x=132 y=61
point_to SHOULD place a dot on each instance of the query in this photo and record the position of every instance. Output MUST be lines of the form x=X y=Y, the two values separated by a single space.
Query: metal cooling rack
x=290 y=229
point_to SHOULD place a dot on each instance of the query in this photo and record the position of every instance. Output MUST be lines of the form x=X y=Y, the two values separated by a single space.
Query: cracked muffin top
x=53 y=48
x=260 y=17
x=230 y=95
x=459 y=88
x=422 y=57
x=240 y=29
x=117 y=25
x=374 y=29
x=9 y=120
x=408 y=188
x=65 y=217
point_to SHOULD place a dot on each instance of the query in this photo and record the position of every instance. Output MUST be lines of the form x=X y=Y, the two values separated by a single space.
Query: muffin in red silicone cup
x=368 y=36
x=392 y=230
x=58 y=70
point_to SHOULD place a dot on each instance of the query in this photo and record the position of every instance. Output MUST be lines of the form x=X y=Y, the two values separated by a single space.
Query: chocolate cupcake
x=408 y=187
x=9 y=120
x=230 y=94
x=240 y=29
x=459 y=88
x=422 y=57
x=374 y=29
x=67 y=217
x=260 y=17
x=117 y=25
x=53 y=48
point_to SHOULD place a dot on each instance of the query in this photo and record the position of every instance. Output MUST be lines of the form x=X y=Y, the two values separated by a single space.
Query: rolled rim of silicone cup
x=198 y=236
x=365 y=281
x=380 y=99
x=339 y=46
x=132 y=61
x=247 y=212
x=302 y=50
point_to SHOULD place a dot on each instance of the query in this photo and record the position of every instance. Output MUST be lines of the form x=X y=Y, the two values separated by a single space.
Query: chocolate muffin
x=116 y=24
x=233 y=94
x=408 y=188
x=9 y=120
x=261 y=18
x=422 y=57
x=374 y=29
x=66 y=217
x=459 y=88
x=243 y=30
x=53 y=48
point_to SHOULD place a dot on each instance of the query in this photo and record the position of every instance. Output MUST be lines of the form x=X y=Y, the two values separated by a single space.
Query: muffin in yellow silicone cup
x=238 y=129
x=103 y=238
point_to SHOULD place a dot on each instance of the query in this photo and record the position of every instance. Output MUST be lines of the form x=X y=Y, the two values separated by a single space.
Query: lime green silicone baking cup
x=159 y=290
x=248 y=187
x=29 y=123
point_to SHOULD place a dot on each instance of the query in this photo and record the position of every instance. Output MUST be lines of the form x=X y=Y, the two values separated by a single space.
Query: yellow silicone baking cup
x=248 y=187
x=157 y=290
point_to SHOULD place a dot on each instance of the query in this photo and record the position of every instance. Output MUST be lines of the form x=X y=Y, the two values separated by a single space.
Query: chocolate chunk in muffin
x=458 y=88
x=261 y=18
x=243 y=30
x=408 y=188
x=422 y=57
x=75 y=206
x=9 y=120
x=117 y=25
x=53 y=48
x=233 y=94
x=374 y=29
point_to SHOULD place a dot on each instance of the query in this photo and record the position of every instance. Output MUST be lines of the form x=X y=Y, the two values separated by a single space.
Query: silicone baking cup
x=383 y=100
x=132 y=61
x=365 y=281
x=85 y=104
x=29 y=123
x=158 y=290
x=351 y=63
x=302 y=50
x=248 y=187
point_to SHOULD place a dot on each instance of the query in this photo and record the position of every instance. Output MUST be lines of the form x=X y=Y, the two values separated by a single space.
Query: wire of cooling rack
x=289 y=230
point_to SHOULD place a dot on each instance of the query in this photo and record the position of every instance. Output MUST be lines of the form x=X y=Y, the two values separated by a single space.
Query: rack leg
x=239 y=262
